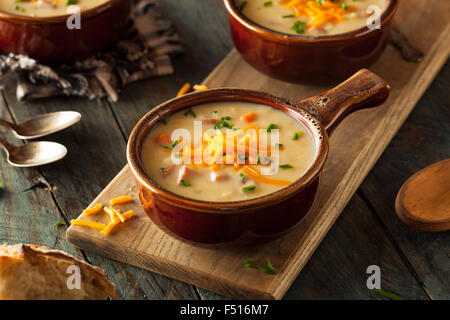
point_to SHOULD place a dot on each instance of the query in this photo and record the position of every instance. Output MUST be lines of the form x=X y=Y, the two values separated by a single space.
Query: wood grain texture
x=423 y=140
x=351 y=158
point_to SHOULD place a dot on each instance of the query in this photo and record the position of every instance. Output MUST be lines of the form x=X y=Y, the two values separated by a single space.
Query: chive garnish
x=297 y=135
x=223 y=124
x=248 y=263
x=171 y=146
x=163 y=170
x=190 y=112
x=285 y=166
x=165 y=120
x=269 y=269
x=185 y=183
x=214 y=111
x=226 y=118
x=279 y=145
x=58 y=224
x=70 y=2
x=389 y=295
x=288 y=16
x=248 y=188
x=242 y=6
x=270 y=127
x=344 y=6
x=242 y=177
x=299 y=26
x=267 y=3
x=258 y=158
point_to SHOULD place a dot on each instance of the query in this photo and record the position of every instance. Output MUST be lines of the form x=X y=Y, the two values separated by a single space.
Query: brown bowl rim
x=273 y=35
x=86 y=14
x=154 y=117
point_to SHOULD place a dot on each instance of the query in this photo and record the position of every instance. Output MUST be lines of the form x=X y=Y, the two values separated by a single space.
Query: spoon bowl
x=43 y=125
x=34 y=153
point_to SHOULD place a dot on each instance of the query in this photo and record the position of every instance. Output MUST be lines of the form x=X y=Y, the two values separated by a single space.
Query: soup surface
x=234 y=156
x=311 y=17
x=45 y=8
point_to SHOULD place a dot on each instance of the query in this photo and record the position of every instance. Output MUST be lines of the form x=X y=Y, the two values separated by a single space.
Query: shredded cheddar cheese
x=200 y=87
x=90 y=224
x=121 y=200
x=184 y=89
x=94 y=210
x=319 y=12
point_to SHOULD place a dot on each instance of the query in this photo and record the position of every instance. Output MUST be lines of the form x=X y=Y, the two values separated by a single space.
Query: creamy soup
x=235 y=155
x=311 y=17
x=45 y=8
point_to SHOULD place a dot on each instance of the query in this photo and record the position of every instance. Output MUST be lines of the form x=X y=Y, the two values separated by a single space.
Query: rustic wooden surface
x=414 y=264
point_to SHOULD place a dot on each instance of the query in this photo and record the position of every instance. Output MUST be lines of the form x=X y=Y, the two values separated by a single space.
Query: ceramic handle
x=363 y=90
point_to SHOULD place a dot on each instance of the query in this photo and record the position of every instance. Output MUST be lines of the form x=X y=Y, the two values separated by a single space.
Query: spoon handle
x=6 y=146
x=7 y=124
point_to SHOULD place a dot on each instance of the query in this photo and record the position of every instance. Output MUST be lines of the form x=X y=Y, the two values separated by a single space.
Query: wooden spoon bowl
x=423 y=201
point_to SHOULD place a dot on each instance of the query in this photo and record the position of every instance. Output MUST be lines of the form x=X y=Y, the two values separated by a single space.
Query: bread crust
x=33 y=272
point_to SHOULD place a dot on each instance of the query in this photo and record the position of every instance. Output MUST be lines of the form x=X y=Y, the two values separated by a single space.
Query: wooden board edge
x=184 y=274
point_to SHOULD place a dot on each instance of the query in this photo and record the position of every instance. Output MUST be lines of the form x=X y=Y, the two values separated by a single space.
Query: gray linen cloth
x=143 y=52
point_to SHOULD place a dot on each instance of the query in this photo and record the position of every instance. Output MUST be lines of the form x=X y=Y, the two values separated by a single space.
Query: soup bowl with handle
x=49 y=40
x=306 y=59
x=259 y=219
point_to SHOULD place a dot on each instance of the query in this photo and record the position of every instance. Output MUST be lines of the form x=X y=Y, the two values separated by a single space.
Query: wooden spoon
x=423 y=201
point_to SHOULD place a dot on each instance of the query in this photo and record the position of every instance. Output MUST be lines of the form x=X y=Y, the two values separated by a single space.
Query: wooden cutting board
x=355 y=147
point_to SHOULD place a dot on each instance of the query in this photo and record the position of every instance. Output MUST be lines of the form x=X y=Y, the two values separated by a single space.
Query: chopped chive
x=171 y=146
x=288 y=16
x=344 y=6
x=242 y=177
x=163 y=170
x=70 y=2
x=165 y=120
x=279 y=145
x=297 y=135
x=58 y=224
x=190 y=112
x=185 y=183
x=270 y=127
x=285 y=166
x=258 y=158
x=267 y=3
x=269 y=269
x=248 y=263
x=389 y=295
x=249 y=188
x=214 y=111
x=226 y=118
x=242 y=6
x=299 y=27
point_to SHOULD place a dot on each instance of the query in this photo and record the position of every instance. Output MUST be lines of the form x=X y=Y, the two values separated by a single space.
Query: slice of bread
x=31 y=272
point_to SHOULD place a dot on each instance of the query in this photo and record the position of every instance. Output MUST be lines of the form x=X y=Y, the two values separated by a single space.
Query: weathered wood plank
x=423 y=140
x=27 y=210
x=96 y=151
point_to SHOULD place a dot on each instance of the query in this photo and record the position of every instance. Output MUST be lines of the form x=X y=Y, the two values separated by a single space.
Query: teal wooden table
x=414 y=265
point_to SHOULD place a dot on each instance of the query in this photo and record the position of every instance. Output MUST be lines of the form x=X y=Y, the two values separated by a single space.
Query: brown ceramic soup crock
x=306 y=59
x=259 y=219
x=48 y=39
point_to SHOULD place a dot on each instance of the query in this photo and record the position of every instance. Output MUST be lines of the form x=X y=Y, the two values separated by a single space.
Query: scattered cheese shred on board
x=120 y=200
x=94 y=210
x=90 y=224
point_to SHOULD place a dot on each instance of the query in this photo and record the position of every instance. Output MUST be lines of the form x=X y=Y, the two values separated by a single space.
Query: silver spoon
x=43 y=125
x=34 y=153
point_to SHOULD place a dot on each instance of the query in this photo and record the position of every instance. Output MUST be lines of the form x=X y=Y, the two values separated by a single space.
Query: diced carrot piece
x=163 y=139
x=249 y=117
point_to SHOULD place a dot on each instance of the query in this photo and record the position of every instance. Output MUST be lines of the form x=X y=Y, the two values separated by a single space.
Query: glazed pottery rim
x=273 y=35
x=155 y=116
x=60 y=18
